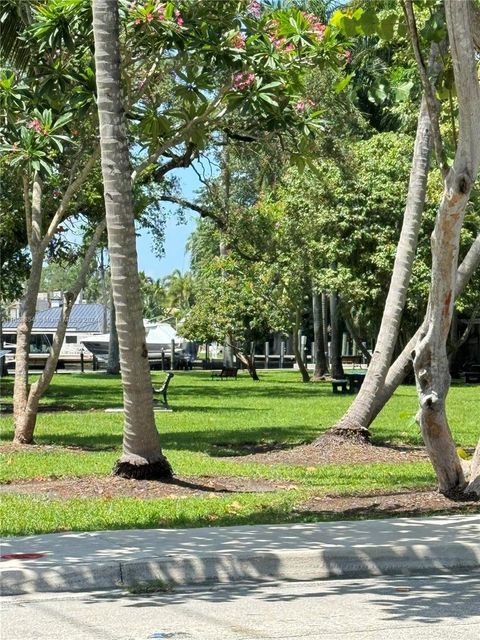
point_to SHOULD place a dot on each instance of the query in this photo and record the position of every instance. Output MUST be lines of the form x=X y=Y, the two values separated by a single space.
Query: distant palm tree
x=179 y=292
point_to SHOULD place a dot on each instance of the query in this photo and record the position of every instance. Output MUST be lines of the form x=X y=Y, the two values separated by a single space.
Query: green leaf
x=268 y=98
x=387 y=26
x=402 y=91
x=340 y=86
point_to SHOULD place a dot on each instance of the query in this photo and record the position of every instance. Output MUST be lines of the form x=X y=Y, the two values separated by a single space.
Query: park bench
x=164 y=388
x=225 y=372
x=473 y=373
x=339 y=386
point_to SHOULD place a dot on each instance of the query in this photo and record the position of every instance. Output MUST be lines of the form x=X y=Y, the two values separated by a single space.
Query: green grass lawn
x=210 y=418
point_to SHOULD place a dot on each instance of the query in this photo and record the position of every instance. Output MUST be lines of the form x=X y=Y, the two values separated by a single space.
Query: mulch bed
x=337 y=451
x=115 y=487
x=403 y=502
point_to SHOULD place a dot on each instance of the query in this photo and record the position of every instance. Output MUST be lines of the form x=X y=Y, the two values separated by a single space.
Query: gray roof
x=84 y=318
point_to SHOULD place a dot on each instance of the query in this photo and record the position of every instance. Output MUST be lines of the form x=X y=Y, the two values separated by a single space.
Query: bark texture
x=142 y=454
x=430 y=358
x=402 y=365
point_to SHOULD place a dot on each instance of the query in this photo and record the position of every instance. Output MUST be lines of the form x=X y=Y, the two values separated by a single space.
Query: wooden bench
x=225 y=372
x=339 y=384
x=164 y=388
x=473 y=373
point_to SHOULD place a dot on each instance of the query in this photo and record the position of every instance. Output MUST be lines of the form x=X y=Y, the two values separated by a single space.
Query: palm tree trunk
x=142 y=454
x=325 y=310
x=320 y=360
x=336 y=366
x=297 y=349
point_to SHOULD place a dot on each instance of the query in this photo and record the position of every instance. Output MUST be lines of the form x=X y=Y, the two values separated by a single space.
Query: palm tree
x=142 y=454
x=179 y=292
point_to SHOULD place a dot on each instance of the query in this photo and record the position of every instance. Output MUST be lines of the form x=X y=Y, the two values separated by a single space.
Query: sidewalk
x=359 y=548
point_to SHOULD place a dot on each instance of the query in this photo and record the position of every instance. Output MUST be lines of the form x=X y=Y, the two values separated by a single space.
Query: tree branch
x=432 y=102
x=68 y=195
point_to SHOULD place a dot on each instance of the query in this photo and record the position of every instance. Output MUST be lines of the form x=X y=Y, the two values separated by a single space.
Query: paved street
x=433 y=608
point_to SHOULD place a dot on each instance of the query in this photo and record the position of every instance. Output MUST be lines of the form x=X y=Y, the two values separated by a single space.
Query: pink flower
x=178 y=18
x=150 y=17
x=315 y=25
x=301 y=105
x=348 y=56
x=243 y=80
x=255 y=8
x=238 y=41
x=36 y=124
x=138 y=21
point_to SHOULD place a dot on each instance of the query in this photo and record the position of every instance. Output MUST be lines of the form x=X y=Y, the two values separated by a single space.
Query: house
x=85 y=320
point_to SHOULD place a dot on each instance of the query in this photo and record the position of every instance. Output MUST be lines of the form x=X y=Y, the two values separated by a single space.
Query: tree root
x=340 y=433
x=157 y=470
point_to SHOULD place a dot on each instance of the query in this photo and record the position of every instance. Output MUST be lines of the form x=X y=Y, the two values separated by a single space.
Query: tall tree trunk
x=113 y=363
x=320 y=360
x=325 y=310
x=359 y=415
x=25 y=424
x=142 y=454
x=297 y=348
x=336 y=366
x=430 y=359
x=27 y=313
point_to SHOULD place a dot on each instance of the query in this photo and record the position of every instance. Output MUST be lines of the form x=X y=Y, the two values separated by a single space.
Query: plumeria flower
x=178 y=18
x=255 y=8
x=238 y=40
x=243 y=80
x=36 y=125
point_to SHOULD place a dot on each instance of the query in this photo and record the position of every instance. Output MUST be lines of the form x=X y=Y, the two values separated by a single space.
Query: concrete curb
x=317 y=556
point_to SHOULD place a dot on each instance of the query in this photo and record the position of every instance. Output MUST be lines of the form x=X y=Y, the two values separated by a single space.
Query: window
x=71 y=339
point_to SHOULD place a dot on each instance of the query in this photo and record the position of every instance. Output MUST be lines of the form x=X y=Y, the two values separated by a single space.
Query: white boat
x=159 y=337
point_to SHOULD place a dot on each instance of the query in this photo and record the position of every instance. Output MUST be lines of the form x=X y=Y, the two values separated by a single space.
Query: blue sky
x=176 y=234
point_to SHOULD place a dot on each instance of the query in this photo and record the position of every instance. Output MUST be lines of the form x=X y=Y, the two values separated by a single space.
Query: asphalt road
x=433 y=608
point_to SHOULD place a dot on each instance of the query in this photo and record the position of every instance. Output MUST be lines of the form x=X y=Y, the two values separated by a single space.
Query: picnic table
x=225 y=372
x=351 y=383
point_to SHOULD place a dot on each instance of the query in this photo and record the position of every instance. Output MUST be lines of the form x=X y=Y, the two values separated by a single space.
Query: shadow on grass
x=215 y=442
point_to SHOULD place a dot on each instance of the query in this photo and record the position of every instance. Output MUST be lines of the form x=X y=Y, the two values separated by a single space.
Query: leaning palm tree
x=142 y=454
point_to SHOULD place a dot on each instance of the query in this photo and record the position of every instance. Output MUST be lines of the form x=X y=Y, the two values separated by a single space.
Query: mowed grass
x=210 y=418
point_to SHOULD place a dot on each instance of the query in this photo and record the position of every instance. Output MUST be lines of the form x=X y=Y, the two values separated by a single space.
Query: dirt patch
x=402 y=502
x=114 y=487
x=335 y=451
